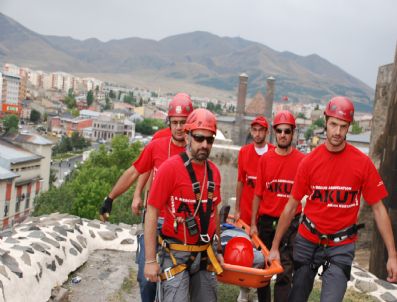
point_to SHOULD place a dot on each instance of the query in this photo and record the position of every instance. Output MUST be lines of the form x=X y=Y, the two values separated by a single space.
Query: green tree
x=70 y=101
x=130 y=99
x=74 y=111
x=112 y=95
x=301 y=115
x=90 y=97
x=309 y=133
x=63 y=146
x=53 y=177
x=107 y=104
x=78 y=142
x=83 y=193
x=149 y=126
x=35 y=116
x=10 y=123
x=356 y=129
x=320 y=122
x=216 y=108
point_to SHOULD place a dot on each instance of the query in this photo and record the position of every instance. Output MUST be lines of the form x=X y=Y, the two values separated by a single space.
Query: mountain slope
x=197 y=58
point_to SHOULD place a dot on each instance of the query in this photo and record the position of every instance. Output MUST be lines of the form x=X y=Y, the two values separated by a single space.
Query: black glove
x=107 y=206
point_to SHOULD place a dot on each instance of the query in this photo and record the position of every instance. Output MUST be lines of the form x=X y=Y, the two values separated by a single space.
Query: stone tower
x=239 y=128
x=269 y=98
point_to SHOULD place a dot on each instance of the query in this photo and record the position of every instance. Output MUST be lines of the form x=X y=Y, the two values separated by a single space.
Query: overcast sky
x=357 y=35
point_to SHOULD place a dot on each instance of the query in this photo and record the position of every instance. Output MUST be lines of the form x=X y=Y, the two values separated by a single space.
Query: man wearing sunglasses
x=333 y=176
x=151 y=158
x=275 y=177
x=188 y=187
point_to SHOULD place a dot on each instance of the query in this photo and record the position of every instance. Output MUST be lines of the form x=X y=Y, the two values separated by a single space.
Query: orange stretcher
x=249 y=276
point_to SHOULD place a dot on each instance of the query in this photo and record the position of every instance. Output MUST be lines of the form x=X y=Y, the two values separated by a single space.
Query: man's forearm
x=255 y=206
x=124 y=182
x=150 y=232
x=239 y=189
x=142 y=180
x=383 y=223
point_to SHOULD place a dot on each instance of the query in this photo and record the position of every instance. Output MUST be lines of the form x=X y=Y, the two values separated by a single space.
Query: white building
x=23 y=175
x=11 y=69
x=57 y=80
x=105 y=127
x=46 y=81
x=10 y=92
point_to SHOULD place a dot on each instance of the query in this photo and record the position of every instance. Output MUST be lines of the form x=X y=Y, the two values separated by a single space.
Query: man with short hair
x=151 y=158
x=247 y=165
x=187 y=186
x=275 y=177
x=248 y=158
x=333 y=176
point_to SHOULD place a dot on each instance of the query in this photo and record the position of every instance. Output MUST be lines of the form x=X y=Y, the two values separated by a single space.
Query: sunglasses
x=201 y=138
x=286 y=131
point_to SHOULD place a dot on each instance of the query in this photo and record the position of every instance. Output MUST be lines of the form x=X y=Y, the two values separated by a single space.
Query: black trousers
x=267 y=229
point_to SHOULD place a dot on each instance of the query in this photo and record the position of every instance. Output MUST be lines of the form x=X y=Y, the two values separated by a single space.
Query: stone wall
x=39 y=254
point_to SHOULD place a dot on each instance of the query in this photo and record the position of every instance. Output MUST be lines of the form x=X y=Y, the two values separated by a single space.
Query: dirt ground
x=107 y=276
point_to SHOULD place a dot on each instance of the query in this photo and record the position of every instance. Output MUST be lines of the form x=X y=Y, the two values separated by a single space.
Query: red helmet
x=261 y=121
x=181 y=105
x=201 y=119
x=284 y=117
x=340 y=107
x=239 y=251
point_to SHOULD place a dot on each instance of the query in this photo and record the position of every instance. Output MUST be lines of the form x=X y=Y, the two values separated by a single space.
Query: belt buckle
x=339 y=239
x=205 y=238
x=168 y=274
x=325 y=238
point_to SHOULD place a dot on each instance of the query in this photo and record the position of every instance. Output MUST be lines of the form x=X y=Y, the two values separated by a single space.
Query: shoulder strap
x=204 y=216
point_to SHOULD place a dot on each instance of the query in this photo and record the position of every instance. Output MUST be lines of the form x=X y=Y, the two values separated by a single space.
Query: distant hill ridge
x=198 y=58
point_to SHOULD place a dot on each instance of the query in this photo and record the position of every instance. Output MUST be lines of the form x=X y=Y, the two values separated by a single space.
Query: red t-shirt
x=155 y=153
x=276 y=175
x=248 y=161
x=334 y=183
x=165 y=132
x=172 y=188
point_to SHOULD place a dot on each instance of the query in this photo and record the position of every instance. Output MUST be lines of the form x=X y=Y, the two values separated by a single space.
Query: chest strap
x=169 y=273
x=336 y=237
x=204 y=216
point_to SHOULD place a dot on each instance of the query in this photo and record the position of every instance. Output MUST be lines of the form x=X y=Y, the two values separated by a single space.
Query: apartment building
x=105 y=127
x=10 y=93
x=24 y=172
x=68 y=125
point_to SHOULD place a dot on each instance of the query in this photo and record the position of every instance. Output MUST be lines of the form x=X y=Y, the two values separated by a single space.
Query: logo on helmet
x=178 y=109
